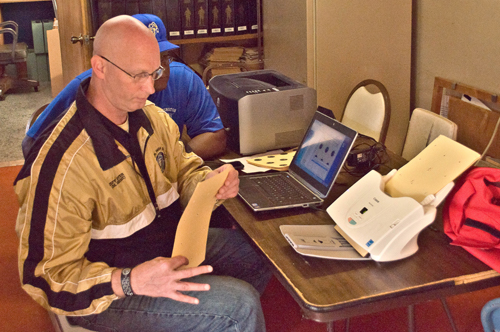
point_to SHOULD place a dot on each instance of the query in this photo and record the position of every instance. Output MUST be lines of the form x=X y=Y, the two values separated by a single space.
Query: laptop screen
x=322 y=153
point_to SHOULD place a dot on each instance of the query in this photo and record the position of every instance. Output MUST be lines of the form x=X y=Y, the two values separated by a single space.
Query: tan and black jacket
x=85 y=208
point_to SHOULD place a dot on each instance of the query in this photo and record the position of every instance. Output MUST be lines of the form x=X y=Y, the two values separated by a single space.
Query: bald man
x=101 y=193
x=179 y=92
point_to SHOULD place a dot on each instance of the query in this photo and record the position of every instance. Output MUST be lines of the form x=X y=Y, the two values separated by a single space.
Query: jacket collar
x=103 y=132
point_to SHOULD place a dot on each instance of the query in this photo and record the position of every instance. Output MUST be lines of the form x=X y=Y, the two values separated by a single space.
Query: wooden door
x=74 y=18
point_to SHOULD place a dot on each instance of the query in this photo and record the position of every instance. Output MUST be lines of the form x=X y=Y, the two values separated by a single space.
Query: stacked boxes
x=40 y=71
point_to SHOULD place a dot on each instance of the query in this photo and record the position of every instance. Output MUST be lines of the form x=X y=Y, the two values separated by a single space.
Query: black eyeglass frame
x=135 y=76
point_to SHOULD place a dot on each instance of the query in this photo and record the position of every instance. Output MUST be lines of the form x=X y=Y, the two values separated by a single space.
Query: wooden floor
x=18 y=312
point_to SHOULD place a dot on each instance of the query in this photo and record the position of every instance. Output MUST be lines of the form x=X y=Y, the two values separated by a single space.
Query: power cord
x=365 y=157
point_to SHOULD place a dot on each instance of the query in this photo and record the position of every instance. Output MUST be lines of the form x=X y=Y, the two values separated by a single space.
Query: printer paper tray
x=321 y=230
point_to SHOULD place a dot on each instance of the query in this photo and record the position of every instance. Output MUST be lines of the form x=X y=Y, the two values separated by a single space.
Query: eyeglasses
x=167 y=59
x=141 y=77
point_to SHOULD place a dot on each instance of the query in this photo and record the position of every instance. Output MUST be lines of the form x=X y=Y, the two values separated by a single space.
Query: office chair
x=61 y=324
x=222 y=68
x=424 y=127
x=368 y=110
x=35 y=116
x=15 y=53
x=490 y=316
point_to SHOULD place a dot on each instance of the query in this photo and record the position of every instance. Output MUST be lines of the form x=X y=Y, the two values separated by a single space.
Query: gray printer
x=262 y=110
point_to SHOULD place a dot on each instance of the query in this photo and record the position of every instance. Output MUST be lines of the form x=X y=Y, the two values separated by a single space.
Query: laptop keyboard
x=284 y=190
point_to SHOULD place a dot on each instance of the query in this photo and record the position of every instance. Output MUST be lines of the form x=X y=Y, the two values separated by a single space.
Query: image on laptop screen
x=322 y=152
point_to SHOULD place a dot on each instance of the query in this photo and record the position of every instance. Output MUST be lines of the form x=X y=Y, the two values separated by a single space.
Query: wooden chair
x=477 y=126
x=16 y=54
x=368 y=110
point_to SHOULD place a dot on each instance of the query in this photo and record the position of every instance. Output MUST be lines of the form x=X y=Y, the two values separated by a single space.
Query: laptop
x=311 y=174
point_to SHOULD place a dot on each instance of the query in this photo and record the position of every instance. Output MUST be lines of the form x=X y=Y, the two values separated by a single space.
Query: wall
x=285 y=37
x=358 y=40
x=23 y=13
x=335 y=44
x=457 y=40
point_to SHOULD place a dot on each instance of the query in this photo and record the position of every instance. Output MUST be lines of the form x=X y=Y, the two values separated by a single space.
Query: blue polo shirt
x=185 y=99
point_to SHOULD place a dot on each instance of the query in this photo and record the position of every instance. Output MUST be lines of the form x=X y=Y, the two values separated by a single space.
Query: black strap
x=137 y=157
x=494 y=200
x=131 y=144
x=490 y=183
x=482 y=226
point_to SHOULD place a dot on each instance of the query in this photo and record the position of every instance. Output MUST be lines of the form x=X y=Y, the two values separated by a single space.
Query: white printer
x=262 y=110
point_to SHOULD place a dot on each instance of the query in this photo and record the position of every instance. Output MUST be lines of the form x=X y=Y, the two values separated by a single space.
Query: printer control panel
x=256 y=91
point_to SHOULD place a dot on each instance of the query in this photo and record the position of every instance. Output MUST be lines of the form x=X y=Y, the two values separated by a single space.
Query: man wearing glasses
x=179 y=92
x=101 y=193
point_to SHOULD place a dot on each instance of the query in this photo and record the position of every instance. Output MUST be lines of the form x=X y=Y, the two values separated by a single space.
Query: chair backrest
x=8 y=52
x=476 y=125
x=61 y=324
x=424 y=127
x=222 y=68
x=34 y=116
x=368 y=110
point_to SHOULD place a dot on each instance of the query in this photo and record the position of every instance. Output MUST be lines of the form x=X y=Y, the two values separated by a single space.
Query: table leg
x=411 y=318
x=330 y=326
x=448 y=313
x=1 y=20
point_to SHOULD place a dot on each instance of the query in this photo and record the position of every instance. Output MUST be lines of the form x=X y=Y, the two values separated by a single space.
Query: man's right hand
x=163 y=277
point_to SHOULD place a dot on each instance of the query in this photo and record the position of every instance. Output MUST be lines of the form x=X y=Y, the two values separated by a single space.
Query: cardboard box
x=55 y=62
x=38 y=39
x=42 y=67
x=47 y=25
x=31 y=62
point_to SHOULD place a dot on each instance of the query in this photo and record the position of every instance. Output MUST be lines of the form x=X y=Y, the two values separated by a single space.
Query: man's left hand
x=231 y=186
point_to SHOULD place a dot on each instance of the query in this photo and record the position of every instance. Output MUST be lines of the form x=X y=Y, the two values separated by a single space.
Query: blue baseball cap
x=156 y=26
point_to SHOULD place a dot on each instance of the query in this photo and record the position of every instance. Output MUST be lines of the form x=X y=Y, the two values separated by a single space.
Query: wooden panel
x=74 y=20
x=475 y=124
x=214 y=39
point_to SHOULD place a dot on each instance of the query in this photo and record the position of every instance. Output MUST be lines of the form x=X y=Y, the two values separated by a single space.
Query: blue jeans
x=231 y=304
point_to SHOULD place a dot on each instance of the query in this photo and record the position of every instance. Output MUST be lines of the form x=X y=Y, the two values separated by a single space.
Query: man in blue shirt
x=180 y=92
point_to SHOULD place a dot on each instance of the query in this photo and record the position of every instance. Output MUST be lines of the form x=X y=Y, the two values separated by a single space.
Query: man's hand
x=161 y=277
x=232 y=184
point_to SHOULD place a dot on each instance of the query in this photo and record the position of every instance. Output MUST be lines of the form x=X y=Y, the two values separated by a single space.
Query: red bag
x=471 y=214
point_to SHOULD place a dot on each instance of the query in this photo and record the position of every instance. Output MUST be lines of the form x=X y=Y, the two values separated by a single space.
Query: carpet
x=19 y=312
x=15 y=112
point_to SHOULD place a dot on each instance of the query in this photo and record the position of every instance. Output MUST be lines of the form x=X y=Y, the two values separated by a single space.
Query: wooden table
x=330 y=290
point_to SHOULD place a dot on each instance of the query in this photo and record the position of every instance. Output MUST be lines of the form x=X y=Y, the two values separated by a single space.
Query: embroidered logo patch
x=117 y=180
x=160 y=159
x=153 y=28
